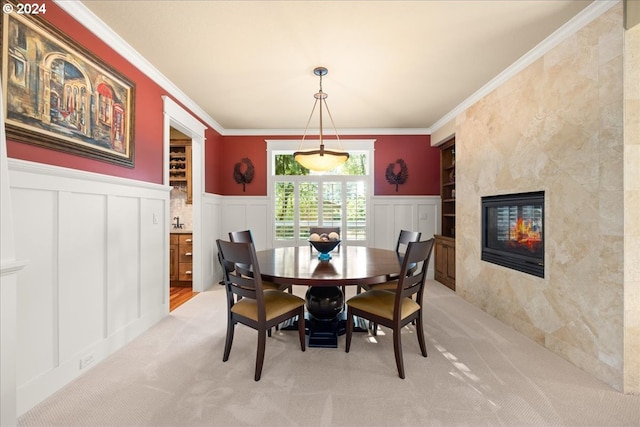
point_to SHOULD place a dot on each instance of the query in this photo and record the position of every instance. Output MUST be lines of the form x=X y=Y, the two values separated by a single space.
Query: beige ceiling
x=392 y=64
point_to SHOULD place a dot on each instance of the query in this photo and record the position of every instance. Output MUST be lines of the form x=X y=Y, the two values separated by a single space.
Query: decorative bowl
x=324 y=247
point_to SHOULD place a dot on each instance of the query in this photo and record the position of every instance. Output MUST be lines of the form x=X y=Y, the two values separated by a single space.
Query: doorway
x=182 y=125
x=181 y=214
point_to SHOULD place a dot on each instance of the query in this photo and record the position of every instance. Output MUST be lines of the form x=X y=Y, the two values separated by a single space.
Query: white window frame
x=275 y=147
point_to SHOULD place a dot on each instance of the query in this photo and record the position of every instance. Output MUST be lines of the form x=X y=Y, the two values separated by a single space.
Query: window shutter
x=356 y=210
x=284 y=211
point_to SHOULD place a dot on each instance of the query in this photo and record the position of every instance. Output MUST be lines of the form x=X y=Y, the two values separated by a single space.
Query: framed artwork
x=59 y=95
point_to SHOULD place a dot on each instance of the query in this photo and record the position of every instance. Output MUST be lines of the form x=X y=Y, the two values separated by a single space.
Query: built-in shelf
x=445 y=245
x=180 y=165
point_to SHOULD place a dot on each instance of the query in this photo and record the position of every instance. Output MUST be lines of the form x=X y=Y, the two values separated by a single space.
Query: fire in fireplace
x=513 y=232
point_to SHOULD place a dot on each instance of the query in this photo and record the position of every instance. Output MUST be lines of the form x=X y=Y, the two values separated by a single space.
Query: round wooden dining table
x=348 y=266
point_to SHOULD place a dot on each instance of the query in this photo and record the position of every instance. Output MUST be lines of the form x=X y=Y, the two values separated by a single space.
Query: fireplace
x=513 y=232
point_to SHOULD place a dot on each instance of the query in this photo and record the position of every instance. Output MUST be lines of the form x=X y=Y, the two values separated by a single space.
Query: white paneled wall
x=97 y=275
x=242 y=213
x=97 y=250
x=390 y=214
x=211 y=230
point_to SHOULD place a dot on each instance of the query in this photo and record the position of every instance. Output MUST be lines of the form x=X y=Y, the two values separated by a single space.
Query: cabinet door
x=451 y=262
x=173 y=262
x=441 y=261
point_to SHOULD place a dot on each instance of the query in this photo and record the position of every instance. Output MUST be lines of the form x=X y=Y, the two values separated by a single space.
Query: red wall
x=221 y=153
x=213 y=162
x=148 y=123
x=423 y=162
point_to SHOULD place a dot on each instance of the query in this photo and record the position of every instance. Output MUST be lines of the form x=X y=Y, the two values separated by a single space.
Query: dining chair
x=252 y=305
x=396 y=309
x=245 y=236
x=404 y=238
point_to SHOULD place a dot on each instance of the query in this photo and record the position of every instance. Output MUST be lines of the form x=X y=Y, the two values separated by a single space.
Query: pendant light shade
x=320 y=159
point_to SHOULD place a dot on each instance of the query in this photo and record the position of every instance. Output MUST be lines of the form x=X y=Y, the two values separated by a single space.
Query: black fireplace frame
x=533 y=265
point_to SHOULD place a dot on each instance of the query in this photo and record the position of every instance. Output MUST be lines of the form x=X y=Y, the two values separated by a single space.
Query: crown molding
x=586 y=16
x=341 y=132
x=91 y=22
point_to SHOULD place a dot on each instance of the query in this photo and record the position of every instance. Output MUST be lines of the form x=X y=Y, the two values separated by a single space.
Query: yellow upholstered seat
x=276 y=303
x=382 y=303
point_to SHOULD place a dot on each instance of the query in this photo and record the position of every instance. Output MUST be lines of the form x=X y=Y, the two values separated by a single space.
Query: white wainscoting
x=390 y=214
x=212 y=229
x=98 y=262
x=250 y=212
x=97 y=275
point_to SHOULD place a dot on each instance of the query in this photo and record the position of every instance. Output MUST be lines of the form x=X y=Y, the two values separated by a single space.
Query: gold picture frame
x=59 y=95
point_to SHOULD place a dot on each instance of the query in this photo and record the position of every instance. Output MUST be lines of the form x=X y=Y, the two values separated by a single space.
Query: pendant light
x=320 y=159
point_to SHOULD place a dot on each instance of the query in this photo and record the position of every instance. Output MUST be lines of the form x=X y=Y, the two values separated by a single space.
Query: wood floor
x=178 y=295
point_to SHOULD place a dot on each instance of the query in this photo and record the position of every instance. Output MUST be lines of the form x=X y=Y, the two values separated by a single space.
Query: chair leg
x=420 y=331
x=229 y=340
x=397 y=348
x=260 y=355
x=301 y=329
x=349 y=330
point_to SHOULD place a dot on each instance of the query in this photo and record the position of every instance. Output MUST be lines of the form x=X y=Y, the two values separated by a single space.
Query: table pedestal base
x=325 y=333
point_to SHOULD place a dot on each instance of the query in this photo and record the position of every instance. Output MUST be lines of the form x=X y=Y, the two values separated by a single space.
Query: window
x=303 y=198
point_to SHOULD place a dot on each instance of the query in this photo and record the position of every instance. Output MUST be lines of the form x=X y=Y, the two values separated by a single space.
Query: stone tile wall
x=557 y=126
x=631 y=210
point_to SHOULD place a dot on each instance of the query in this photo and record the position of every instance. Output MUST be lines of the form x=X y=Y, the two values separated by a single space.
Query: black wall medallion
x=245 y=177
x=397 y=178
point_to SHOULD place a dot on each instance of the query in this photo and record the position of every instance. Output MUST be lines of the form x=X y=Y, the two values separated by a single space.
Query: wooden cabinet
x=180 y=166
x=445 y=244
x=181 y=259
x=445 y=261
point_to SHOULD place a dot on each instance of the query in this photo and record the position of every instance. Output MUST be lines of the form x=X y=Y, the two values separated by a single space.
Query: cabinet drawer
x=185 y=255
x=185 y=239
x=185 y=271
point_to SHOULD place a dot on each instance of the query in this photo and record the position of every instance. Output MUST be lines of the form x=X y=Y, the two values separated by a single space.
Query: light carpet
x=479 y=372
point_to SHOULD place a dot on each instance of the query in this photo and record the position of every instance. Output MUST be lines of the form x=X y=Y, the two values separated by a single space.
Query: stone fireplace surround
x=556 y=126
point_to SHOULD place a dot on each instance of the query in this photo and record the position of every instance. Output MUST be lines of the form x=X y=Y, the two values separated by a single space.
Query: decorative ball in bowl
x=324 y=244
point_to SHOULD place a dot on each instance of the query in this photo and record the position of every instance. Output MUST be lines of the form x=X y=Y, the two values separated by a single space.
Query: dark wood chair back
x=244 y=236
x=404 y=238
x=417 y=258
x=241 y=271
